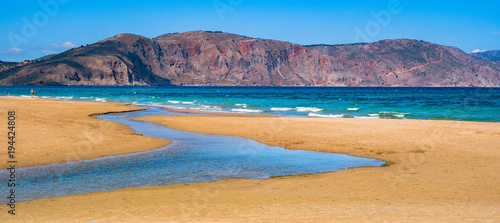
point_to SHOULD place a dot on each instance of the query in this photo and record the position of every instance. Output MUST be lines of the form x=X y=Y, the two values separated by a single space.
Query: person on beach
x=32 y=92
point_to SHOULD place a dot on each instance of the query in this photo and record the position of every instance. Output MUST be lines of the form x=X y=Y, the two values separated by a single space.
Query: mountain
x=404 y=62
x=6 y=65
x=46 y=57
x=113 y=61
x=493 y=55
x=217 y=58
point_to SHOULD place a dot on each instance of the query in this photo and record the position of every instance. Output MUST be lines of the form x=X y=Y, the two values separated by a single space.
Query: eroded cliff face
x=404 y=62
x=215 y=58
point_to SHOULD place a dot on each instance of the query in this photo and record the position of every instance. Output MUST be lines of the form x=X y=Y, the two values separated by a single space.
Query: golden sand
x=50 y=131
x=443 y=171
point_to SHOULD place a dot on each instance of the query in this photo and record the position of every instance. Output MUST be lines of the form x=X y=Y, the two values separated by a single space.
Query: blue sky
x=34 y=28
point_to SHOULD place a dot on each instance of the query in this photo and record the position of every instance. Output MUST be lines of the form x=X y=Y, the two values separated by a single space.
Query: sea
x=464 y=104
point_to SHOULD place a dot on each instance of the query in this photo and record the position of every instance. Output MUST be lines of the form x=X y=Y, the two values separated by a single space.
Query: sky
x=30 y=29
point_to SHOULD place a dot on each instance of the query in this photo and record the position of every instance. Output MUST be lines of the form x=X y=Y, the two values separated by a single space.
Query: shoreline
x=443 y=171
x=192 y=111
x=56 y=131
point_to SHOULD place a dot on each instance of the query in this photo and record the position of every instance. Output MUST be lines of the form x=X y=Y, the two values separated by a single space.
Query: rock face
x=404 y=62
x=216 y=58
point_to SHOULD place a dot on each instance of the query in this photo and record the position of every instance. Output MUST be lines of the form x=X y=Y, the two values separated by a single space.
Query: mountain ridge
x=221 y=59
x=492 y=55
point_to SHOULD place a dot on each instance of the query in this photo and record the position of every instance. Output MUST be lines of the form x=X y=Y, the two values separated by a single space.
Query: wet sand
x=443 y=171
x=51 y=131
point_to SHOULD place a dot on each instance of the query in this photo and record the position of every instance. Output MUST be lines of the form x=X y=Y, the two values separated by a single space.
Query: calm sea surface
x=470 y=104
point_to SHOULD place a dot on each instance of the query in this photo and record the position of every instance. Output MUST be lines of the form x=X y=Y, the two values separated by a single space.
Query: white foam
x=325 y=116
x=241 y=105
x=308 y=109
x=400 y=116
x=173 y=107
x=352 y=109
x=281 y=109
x=208 y=108
x=101 y=99
x=188 y=102
x=374 y=115
x=174 y=102
x=64 y=98
x=245 y=110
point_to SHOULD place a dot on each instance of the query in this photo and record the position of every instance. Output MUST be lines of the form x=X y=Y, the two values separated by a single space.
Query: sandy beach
x=442 y=171
x=52 y=131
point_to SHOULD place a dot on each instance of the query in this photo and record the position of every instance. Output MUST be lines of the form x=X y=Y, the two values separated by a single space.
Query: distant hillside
x=493 y=55
x=217 y=58
x=6 y=65
x=113 y=61
x=46 y=57
x=404 y=62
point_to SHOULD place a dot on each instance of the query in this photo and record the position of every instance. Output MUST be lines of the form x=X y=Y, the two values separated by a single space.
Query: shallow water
x=193 y=157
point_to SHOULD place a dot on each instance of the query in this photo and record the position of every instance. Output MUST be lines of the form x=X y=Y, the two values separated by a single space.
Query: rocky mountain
x=216 y=58
x=493 y=55
x=6 y=65
x=404 y=62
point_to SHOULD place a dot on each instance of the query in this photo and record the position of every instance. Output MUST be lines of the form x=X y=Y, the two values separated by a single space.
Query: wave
x=352 y=109
x=188 y=102
x=208 y=108
x=241 y=105
x=64 y=98
x=246 y=110
x=391 y=112
x=101 y=99
x=308 y=109
x=311 y=114
x=281 y=109
x=174 y=102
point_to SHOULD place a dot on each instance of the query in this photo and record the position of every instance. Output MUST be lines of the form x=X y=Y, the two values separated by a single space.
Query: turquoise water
x=193 y=157
x=471 y=104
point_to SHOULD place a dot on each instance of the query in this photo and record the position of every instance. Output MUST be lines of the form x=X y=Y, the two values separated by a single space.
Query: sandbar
x=441 y=171
x=53 y=131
